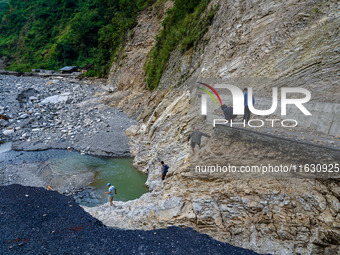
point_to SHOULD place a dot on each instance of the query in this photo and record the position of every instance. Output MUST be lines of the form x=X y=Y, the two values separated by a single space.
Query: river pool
x=129 y=182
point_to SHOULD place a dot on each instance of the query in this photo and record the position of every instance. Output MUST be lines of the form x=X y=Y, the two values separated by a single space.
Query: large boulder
x=62 y=98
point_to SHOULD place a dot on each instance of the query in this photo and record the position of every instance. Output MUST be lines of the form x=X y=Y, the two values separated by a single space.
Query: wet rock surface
x=37 y=221
x=59 y=113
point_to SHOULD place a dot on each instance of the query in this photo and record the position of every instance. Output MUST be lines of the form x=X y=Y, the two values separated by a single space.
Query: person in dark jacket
x=165 y=169
x=246 y=115
x=196 y=137
x=228 y=113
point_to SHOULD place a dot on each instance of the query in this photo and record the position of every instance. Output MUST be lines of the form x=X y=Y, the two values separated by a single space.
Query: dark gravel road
x=38 y=221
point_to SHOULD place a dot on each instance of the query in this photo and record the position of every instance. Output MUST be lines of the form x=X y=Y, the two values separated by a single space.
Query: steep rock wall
x=289 y=42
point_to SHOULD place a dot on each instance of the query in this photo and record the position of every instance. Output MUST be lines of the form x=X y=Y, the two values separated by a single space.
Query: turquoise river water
x=129 y=182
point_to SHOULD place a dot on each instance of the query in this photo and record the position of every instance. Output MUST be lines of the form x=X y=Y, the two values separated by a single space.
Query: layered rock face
x=290 y=43
x=267 y=213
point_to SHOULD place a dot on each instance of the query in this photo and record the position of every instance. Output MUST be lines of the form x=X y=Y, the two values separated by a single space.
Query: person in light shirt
x=112 y=191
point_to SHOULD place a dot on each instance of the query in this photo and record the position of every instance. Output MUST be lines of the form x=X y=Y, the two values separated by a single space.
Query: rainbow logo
x=213 y=90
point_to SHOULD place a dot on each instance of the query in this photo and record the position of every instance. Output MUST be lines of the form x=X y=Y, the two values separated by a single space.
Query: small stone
x=8 y=132
x=23 y=116
x=33 y=98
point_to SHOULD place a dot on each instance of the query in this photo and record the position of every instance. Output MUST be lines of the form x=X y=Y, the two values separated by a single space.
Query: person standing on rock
x=246 y=115
x=165 y=169
x=196 y=137
x=228 y=113
x=112 y=191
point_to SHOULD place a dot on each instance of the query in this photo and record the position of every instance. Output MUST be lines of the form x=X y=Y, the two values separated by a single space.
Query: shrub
x=184 y=27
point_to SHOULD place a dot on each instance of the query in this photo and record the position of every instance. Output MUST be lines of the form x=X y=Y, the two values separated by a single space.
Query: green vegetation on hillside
x=184 y=26
x=53 y=33
x=2 y=4
x=50 y=34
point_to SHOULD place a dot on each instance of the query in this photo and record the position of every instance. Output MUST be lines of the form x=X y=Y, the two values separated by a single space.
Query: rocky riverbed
x=60 y=113
x=56 y=113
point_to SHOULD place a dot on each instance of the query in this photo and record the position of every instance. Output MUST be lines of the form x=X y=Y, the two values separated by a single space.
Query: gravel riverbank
x=38 y=221
x=59 y=112
x=56 y=113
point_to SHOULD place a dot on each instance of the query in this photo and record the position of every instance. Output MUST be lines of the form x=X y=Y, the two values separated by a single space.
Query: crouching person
x=228 y=113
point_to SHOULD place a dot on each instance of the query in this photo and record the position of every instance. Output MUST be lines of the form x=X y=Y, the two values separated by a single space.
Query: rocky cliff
x=288 y=43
